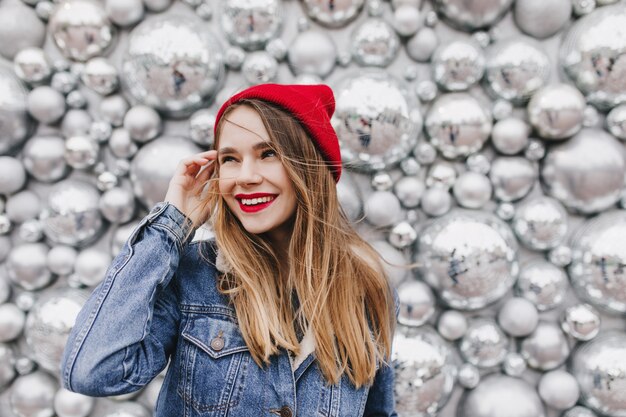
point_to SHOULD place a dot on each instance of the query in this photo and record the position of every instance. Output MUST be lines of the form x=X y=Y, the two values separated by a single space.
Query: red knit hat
x=311 y=105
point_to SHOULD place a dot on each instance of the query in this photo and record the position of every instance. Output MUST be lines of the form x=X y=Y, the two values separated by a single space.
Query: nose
x=248 y=174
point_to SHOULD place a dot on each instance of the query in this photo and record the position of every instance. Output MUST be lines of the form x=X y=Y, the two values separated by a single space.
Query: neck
x=279 y=239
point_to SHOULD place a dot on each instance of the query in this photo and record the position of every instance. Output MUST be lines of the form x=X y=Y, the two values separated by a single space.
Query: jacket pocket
x=213 y=364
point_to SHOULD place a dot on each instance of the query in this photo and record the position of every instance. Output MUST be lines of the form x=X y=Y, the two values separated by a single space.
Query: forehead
x=242 y=126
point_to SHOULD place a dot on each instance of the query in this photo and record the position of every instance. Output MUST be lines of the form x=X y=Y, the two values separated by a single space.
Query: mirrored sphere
x=518 y=317
x=349 y=197
x=375 y=119
x=100 y=75
x=251 y=24
x=46 y=104
x=598 y=259
x=117 y=205
x=546 y=348
x=44 y=158
x=469 y=258
x=22 y=206
x=312 y=52
x=558 y=389
x=458 y=124
x=542 y=18
x=512 y=177
x=81 y=29
x=541 y=223
x=12 y=175
x=259 y=67
x=374 y=43
x=19 y=28
x=7 y=362
x=31 y=65
x=201 y=125
x=452 y=325
x=15 y=122
x=616 y=121
x=500 y=395
x=382 y=208
x=127 y=409
x=417 y=303
x=484 y=344
x=425 y=370
x=543 y=283
x=172 y=63
x=510 y=135
x=592 y=54
x=579 y=411
x=12 y=321
x=333 y=14
x=516 y=68
x=458 y=65
x=556 y=111
x=586 y=173
x=71 y=215
x=581 y=321
x=153 y=166
x=32 y=395
x=71 y=404
x=61 y=259
x=473 y=15
x=472 y=190
x=600 y=369
x=26 y=266
x=48 y=325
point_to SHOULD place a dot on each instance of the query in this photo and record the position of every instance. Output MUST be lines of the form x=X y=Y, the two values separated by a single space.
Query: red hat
x=312 y=105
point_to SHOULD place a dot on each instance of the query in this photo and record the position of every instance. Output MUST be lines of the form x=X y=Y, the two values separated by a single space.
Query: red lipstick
x=255 y=207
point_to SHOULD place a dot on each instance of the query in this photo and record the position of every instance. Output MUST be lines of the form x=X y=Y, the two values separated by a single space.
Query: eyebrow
x=257 y=147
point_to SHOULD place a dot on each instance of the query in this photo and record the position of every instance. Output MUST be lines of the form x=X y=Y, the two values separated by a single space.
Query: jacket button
x=286 y=412
x=217 y=343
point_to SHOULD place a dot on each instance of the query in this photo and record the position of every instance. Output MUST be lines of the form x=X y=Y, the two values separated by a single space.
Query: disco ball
x=72 y=215
x=469 y=258
x=172 y=63
x=375 y=120
x=251 y=24
x=598 y=260
x=15 y=123
x=593 y=54
x=48 y=325
x=153 y=166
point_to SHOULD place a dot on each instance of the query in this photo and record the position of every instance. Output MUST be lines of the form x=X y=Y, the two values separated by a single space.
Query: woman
x=287 y=311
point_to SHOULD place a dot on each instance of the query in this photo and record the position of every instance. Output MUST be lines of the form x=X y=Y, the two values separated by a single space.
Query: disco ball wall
x=482 y=140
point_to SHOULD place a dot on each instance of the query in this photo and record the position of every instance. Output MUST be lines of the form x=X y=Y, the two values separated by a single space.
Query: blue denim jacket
x=159 y=303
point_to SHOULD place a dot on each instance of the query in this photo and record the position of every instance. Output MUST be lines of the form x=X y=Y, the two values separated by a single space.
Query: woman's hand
x=188 y=181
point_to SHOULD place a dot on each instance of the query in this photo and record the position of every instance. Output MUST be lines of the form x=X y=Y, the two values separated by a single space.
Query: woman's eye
x=227 y=159
x=268 y=153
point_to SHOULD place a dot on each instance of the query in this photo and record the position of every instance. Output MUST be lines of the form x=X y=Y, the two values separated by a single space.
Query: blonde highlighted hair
x=336 y=278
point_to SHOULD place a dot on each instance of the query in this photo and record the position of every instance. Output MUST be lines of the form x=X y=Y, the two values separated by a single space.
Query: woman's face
x=252 y=179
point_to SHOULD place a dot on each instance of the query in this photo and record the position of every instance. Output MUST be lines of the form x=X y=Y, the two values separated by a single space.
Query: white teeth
x=253 y=201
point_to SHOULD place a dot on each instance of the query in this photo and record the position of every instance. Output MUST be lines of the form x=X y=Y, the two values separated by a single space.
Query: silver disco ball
x=81 y=29
x=333 y=14
x=471 y=15
x=458 y=124
x=598 y=258
x=72 y=215
x=153 y=166
x=15 y=123
x=376 y=120
x=172 y=63
x=600 y=369
x=516 y=68
x=469 y=258
x=500 y=395
x=586 y=173
x=251 y=24
x=425 y=369
x=48 y=325
x=593 y=54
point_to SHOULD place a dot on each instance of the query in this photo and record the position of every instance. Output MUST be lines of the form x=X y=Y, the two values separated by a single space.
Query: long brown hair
x=337 y=278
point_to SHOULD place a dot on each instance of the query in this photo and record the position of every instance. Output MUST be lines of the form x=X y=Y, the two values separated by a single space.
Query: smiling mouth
x=251 y=205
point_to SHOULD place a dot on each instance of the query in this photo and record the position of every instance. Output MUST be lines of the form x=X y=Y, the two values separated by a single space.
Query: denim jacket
x=159 y=303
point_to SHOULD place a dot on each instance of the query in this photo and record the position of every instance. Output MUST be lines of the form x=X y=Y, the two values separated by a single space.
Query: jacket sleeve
x=380 y=399
x=127 y=329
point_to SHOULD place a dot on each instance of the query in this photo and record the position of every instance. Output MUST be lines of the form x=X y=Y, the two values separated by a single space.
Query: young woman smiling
x=286 y=311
